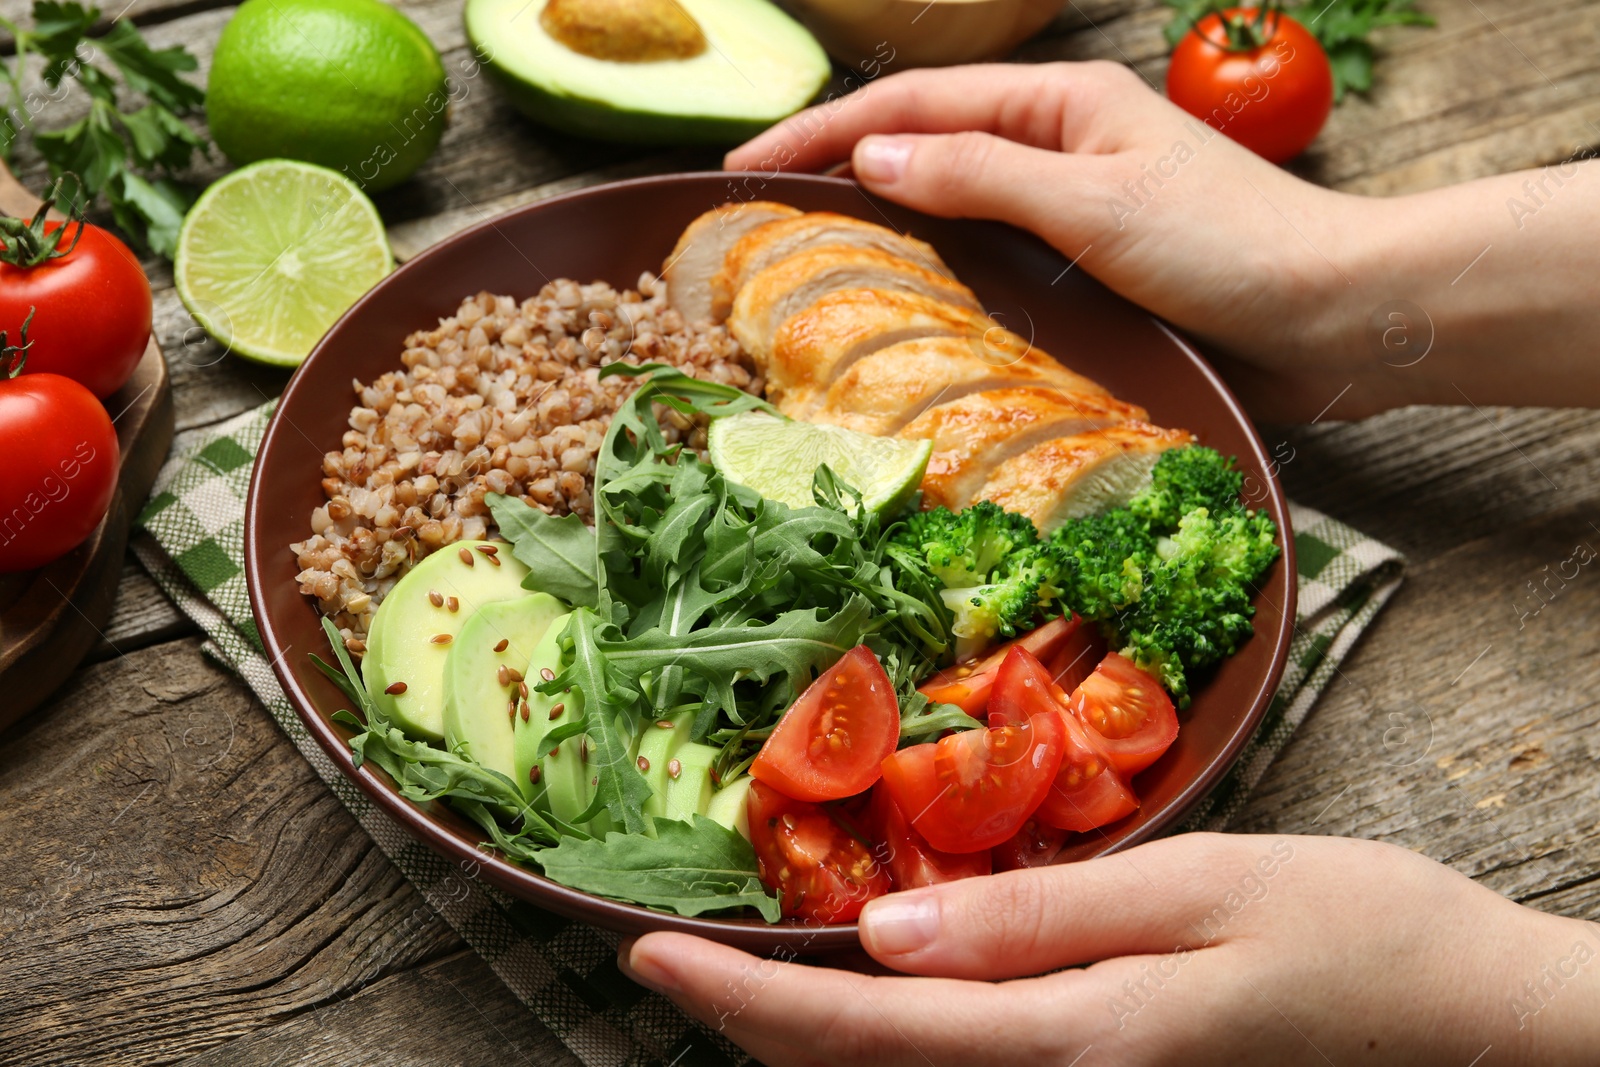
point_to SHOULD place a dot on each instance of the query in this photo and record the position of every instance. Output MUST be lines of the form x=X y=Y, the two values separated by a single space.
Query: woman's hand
x=1311 y=295
x=1205 y=949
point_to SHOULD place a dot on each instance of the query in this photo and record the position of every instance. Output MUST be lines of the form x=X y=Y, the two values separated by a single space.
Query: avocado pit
x=624 y=31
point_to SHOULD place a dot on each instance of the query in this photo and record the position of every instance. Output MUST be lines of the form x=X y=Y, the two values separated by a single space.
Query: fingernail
x=900 y=923
x=882 y=159
x=646 y=971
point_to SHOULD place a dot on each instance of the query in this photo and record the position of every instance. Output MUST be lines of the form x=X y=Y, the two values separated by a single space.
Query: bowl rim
x=632 y=919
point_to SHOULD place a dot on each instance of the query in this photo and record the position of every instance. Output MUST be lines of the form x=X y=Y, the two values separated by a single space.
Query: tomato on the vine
x=88 y=295
x=1256 y=75
x=60 y=467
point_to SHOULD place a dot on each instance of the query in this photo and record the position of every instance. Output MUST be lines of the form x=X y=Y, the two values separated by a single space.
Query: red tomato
x=819 y=869
x=831 y=743
x=967 y=685
x=1075 y=660
x=974 y=789
x=911 y=861
x=92 y=321
x=60 y=467
x=1266 y=84
x=1086 y=791
x=1035 y=845
x=1130 y=712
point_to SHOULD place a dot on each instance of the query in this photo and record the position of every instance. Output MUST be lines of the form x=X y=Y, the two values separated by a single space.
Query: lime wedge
x=779 y=457
x=270 y=256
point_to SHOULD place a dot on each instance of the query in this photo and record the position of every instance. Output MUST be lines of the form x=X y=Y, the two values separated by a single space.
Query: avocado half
x=748 y=66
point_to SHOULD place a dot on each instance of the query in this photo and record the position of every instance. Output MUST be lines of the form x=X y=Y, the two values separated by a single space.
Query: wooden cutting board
x=51 y=617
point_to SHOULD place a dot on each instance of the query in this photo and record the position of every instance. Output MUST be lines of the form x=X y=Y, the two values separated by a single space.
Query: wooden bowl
x=613 y=232
x=870 y=36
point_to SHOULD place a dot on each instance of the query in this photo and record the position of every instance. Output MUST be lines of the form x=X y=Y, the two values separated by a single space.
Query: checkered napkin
x=192 y=542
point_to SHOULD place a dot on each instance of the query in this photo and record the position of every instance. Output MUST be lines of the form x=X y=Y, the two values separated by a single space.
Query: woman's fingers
x=979 y=175
x=791 y=1013
x=1048 y=106
x=1177 y=895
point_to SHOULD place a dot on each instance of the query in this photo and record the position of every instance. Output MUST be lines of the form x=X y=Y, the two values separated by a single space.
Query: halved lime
x=270 y=256
x=778 y=458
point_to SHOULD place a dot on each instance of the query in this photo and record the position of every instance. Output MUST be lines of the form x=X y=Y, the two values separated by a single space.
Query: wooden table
x=178 y=887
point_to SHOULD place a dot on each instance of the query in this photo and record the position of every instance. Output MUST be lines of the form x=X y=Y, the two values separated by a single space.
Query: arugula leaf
x=101 y=154
x=561 y=553
x=687 y=868
x=619 y=786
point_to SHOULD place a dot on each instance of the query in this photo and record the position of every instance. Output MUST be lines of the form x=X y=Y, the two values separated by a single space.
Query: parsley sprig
x=1341 y=26
x=132 y=156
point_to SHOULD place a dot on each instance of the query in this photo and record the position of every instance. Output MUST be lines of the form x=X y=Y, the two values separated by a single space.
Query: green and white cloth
x=192 y=542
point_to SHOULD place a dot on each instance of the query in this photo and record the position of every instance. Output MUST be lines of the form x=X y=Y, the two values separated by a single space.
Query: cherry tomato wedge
x=818 y=868
x=910 y=860
x=967 y=685
x=832 y=741
x=1035 y=845
x=1087 y=790
x=1130 y=712
x=974 y=789
x=1075 y=660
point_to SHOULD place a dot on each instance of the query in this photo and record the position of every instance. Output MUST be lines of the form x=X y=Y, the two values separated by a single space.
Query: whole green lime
x=352 y=85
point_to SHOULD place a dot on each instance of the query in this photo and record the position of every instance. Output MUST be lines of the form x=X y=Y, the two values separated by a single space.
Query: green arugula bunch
x=104 y=153
x=1341 y=26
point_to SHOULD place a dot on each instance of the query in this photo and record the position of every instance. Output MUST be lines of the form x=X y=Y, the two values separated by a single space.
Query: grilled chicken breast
x=704 y=244
x=884 y=391
x=1087 y=473
x=975 y=434
x=794 y=284
x=770 y=242
x=817 y=345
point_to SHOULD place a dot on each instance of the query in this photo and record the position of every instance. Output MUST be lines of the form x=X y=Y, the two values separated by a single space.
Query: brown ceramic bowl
x=614 y=232
x=869 y=36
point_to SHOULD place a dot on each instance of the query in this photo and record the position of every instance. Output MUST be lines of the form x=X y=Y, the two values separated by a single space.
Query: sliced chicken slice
x=1084 y=474
x=794 y=284
x=765 y=245
x=814 y=347
x=975 y=434
x=704 y=244
x=893 y=386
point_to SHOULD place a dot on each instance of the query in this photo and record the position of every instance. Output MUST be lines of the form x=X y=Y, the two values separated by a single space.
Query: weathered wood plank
x=1464 y=724
x=140 y=616
x=1426 y=480
x=452 y=1010
x=176 y=875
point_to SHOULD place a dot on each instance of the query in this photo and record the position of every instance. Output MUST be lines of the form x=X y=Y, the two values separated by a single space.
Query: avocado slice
x=481 y=695
x=689 y=791
x=563 y=784
x=649 y=71
x=411 y=635
x=658 y=746
x=729 y=806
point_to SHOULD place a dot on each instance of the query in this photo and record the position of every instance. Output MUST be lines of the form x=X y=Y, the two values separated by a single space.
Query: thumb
x=1060 y=196
x=1176 y=895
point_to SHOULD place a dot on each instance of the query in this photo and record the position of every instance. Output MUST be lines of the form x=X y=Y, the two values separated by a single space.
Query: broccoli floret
x=1023 y=583
x=1184 y=479
x=962 y=548
x=1168 y=577
x=991 y=572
